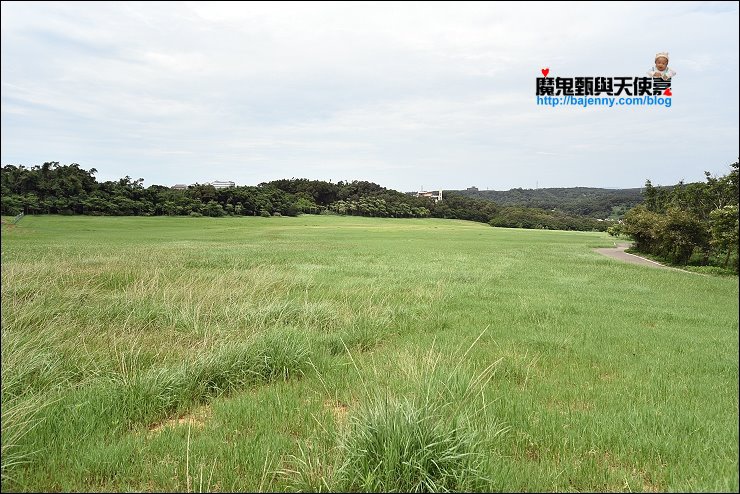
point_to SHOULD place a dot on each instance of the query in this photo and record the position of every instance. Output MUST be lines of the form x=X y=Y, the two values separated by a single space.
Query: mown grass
x=330 y=353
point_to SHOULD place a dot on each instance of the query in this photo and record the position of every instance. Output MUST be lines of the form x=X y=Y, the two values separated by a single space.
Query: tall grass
x=27 y=371
x=434 y=437
x=326 y=353
x=428 y=440
x=147 y=397
x=18 y=419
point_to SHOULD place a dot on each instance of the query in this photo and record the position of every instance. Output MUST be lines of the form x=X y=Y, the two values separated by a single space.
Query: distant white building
x=434 y=194
x=179 y=187
x=220 y=184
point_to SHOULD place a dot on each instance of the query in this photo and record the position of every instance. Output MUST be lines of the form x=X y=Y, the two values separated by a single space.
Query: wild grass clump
x=403 y=445
x=24 y=369
x=18 y=419
x=431 y=440
x=118 y=403
x=279 y=354
x=431 y=435
x=359 y=335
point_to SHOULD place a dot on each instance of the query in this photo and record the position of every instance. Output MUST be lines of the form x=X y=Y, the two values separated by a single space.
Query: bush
x=712 y=270
x=195 y=214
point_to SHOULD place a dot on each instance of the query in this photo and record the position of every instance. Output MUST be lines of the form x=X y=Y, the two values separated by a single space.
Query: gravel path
x=619 y=253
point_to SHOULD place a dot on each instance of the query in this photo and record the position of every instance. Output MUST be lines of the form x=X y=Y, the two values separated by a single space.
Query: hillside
x=586 y=201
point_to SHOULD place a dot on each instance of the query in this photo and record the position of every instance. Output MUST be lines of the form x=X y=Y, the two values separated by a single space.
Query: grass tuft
x=433 y=438
x=402 y=445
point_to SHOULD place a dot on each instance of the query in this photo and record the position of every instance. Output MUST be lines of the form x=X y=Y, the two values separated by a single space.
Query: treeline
x=573 y=201
x=68 y=189
x=360 y=198
x=357 y=198
x=519 y=217
x=694 y=223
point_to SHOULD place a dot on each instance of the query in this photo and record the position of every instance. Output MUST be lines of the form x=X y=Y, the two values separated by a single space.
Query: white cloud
x=390 y=92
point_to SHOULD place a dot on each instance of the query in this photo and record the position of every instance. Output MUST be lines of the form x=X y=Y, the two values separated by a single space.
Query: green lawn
x=345 y=353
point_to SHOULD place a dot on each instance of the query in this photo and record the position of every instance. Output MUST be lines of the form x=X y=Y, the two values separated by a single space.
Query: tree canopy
x=694 y=223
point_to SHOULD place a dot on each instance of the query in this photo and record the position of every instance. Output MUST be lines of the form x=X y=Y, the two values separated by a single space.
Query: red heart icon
x=668 y=92
x=545 y=72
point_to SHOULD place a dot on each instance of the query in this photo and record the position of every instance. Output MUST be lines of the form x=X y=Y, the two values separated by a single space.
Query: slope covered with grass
x=331 y=353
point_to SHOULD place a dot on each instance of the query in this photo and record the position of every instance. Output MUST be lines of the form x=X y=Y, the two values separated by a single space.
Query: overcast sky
x=432 y=95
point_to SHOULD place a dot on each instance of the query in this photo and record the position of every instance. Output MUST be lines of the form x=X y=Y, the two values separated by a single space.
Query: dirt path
x=619 y=253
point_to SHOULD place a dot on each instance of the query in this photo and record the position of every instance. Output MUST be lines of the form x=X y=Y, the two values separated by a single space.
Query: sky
x=407 y=95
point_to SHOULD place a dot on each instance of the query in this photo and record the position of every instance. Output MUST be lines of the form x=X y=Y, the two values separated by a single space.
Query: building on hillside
x=472 y=189
x=221 y=184
x=179 y=187
x=434 y=194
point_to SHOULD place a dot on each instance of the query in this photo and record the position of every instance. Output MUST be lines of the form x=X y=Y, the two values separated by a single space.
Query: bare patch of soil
x=338 y=409
x=197 y=419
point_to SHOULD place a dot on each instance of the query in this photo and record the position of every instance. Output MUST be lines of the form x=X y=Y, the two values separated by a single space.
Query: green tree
x=724 y=233
x=681 y=232
x=212 y=208
x=644 y=226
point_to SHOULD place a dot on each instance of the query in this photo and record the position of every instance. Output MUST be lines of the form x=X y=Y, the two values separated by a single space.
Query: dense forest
x=68 y=189
x=694 y=223
x=573 y=201
x=522 y=217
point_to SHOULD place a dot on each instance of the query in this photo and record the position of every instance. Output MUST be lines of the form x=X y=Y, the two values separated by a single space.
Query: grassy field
x=332 y=353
